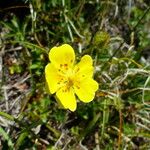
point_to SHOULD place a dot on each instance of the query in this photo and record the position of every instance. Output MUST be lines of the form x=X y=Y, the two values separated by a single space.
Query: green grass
x=116 y=35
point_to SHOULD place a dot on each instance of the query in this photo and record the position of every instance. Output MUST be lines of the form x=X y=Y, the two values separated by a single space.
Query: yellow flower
x=66 y=79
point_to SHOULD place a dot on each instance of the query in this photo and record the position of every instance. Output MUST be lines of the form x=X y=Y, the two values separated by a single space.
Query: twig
x=97 y=141
x=13 y=7
x=127 y=139
x=120 y=129
x=145 y=13
x=14 y=49
x=17 y=99
x=143 y=126
x=6 y=97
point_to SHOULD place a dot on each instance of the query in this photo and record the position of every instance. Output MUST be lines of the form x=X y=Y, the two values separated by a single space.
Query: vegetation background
x=116 y=33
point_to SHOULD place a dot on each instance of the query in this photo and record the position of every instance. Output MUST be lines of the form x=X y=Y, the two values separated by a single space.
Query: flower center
x=69 y=79
x=70 y=82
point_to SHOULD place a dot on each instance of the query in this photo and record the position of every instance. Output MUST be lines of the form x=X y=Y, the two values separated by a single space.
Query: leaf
x=90 y=126
x=21 y=139
x=6 y=137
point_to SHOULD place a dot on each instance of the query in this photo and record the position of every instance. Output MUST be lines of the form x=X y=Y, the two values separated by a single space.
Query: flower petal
x=53 y=78
x=86 y=89
x=62 y=57
x=84 y=68
x=67 y=98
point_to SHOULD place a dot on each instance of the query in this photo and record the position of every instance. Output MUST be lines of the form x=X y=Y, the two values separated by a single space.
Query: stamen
x=77 y=70
x=65 y=65
x=78 y=87
x=61 y=65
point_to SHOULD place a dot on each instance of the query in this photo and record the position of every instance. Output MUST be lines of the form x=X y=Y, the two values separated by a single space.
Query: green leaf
x=6 y=137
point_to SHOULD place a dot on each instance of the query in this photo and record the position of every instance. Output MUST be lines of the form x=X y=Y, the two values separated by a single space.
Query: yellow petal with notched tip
x=84 y=68
x=62 y=57
x=53 y=78
x=85 y=90
x=67 y=98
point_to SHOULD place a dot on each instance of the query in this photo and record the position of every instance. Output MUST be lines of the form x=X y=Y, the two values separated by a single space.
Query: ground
x=115 y=34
